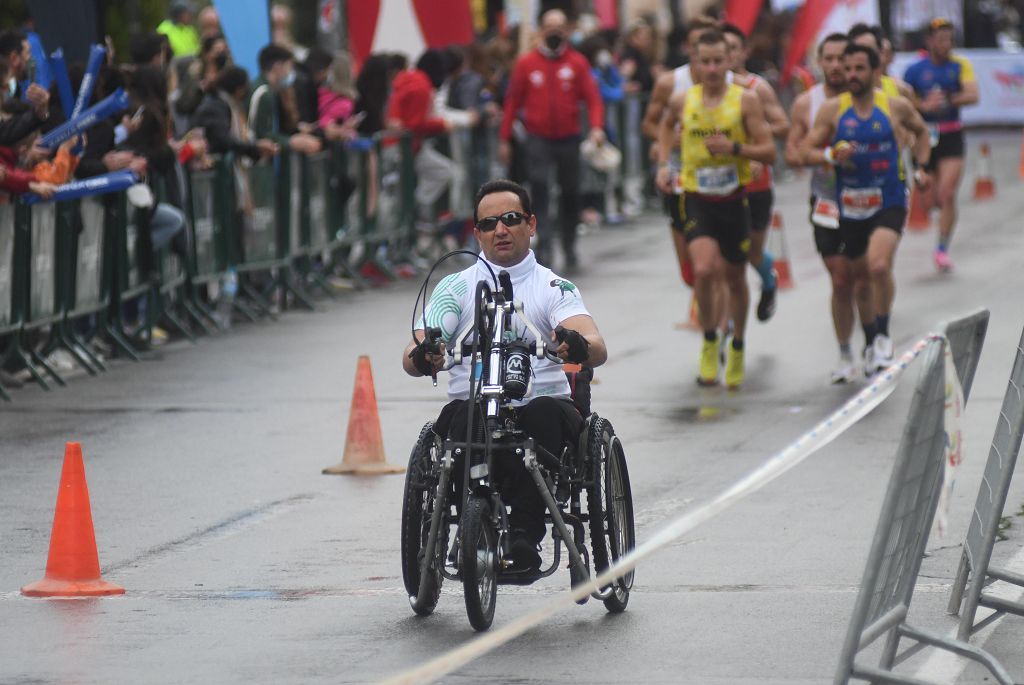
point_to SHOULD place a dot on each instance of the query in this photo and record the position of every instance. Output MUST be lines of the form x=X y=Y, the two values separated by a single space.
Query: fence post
x=11 y=276
x=988 y=509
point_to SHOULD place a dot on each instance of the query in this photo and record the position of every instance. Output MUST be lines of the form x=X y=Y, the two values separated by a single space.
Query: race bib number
x=717 y=180
x=861 y=203
x=825 y=214
x=933 y=134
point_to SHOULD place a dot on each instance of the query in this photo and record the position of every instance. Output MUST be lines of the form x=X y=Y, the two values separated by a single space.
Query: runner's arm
x=910 y=119
x=656 y=105
x=773 y=112
x=667 y=136
x=761 y=146
x=797 y=131
x=969 y=95
x=817 y=139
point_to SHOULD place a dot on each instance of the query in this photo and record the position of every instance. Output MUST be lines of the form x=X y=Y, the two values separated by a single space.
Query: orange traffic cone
x=694 y=320
x=918 y=219
x=364 y=443
x=984 y=184
x=73 y=566
x=783 y=273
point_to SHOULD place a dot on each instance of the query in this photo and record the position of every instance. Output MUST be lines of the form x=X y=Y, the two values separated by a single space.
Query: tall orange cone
x=364 y=443
x=984 y=184
x=783 y=273
x=73 y=566
x=918 y=219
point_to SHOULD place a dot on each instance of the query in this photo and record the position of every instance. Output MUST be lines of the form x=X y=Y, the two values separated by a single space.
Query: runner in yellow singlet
x=723 y=129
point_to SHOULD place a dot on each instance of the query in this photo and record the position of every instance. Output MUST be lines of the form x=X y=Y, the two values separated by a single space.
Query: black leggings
x=551 y=422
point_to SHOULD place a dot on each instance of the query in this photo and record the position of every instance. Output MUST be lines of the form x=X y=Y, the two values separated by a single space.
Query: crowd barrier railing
x=71 y=270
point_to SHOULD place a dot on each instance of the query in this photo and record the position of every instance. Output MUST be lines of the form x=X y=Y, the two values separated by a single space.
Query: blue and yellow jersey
x=925 y=76
x=704 y=173
x=872 y=179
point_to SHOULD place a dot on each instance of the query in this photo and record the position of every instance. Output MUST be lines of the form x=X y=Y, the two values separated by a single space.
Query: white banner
x=1000 y=84
x=845 y=14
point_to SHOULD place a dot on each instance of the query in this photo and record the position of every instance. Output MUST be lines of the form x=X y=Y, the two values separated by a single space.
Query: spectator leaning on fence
x=547 y=86
x=273 y=113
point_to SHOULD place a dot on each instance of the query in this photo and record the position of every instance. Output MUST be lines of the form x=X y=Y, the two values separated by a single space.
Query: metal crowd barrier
x=74 y=269
x=983 y=531
x=908 y=509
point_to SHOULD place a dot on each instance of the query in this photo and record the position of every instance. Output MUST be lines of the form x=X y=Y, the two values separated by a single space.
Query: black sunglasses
x=510 y=219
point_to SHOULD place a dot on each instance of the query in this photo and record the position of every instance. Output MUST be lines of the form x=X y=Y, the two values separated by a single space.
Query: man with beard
x=824 y=213
x=862 y=129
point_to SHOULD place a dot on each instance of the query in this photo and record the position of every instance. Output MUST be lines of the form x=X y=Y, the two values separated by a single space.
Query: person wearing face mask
x=545 y=91
x=273 y=109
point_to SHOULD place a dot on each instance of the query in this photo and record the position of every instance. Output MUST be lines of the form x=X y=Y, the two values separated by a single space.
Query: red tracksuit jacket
x=549 y=91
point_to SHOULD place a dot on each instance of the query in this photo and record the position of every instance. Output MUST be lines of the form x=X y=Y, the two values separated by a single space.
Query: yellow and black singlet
x=704 y=173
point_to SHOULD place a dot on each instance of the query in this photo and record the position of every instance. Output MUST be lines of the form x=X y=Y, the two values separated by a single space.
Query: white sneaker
x=870 y=366
x=883 y=352
x=845 y=370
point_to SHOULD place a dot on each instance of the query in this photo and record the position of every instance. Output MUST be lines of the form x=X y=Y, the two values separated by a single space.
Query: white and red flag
x=407 y=26
x=818 y=18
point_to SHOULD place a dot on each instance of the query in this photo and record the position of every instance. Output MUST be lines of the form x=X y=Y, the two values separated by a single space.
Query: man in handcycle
x=504 y=225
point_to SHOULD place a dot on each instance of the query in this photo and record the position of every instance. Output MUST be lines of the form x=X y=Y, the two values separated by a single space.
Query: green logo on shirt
x=564 y=287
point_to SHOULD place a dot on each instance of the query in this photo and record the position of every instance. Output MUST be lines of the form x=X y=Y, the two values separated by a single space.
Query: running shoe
x=883 y=352
x=845 y=370
x=870 y=365
x=766 y=306
x=708 y=364
x=942 y=262
x=733 y=368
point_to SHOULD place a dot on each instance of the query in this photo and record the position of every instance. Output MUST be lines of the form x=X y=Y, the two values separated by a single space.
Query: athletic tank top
x=889 y=86
x=683 y=83
x=871 y=180
x=823 y=179
x=761 y=174
x=704 y=174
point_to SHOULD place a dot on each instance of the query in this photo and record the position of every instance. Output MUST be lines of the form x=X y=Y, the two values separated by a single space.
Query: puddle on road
x=702 y=414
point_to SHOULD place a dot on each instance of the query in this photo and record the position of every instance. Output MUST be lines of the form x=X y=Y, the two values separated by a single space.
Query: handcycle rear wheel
x=417 y=507
x=479 y=565
x=610 y=508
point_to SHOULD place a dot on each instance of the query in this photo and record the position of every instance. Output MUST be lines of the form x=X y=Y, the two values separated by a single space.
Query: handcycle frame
x=491 y=433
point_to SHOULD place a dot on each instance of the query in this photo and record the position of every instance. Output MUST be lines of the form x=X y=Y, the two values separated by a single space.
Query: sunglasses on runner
x=510 y=219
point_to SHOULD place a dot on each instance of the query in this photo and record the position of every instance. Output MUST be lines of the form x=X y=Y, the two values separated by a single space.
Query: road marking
x=945 y=667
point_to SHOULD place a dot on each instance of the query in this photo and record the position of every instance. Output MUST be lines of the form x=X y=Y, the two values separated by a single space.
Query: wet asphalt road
x=244 y=564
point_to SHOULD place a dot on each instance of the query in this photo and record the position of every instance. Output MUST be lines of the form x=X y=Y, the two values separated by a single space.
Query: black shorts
x=828 y=240
x=856 y=233
x=950 y=145
x=761 y=209
x=727 y=221
x=674 y=210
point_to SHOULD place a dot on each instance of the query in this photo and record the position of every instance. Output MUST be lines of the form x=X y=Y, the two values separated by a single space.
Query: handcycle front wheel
x=417 y=507
x=610 y=508
x=479 y=567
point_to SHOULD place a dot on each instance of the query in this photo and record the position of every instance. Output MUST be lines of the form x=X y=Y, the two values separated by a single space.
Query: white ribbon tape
x=821 y=435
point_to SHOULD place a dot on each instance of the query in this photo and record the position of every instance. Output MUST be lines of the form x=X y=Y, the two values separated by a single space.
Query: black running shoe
x=766 y=307
x=523 y=553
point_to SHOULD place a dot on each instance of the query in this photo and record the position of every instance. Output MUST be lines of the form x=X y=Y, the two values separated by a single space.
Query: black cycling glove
x=429 y=345
x=578 y=345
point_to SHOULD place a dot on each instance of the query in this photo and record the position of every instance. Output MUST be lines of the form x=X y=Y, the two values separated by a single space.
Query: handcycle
x=467 y=539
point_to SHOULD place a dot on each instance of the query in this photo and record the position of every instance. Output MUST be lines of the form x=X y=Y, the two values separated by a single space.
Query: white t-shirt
x=547 y=299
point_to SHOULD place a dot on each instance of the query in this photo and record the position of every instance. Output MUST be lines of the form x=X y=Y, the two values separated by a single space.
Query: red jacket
x=549 y=92
x=14 y=180
x=412 y=103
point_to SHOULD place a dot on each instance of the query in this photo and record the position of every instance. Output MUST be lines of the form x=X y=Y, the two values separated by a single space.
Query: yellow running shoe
x=708 y=364
x=733 y=368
